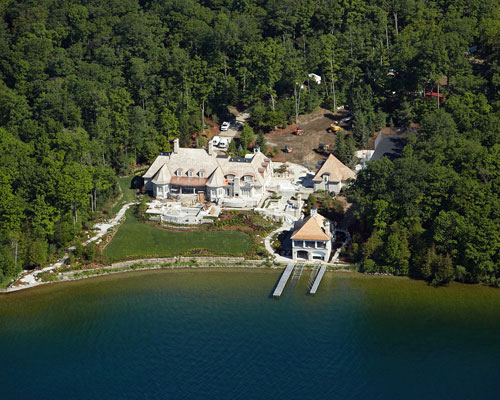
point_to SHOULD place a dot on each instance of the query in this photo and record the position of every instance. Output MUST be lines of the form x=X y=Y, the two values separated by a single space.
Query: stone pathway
x=269 y=248
x=30 y=279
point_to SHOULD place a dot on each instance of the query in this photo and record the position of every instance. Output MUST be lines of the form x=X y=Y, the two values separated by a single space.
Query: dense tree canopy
x=437 y=206
x=88 y=88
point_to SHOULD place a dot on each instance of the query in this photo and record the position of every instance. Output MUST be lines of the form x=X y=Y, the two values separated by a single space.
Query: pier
x=283 y=280
x=317 y=280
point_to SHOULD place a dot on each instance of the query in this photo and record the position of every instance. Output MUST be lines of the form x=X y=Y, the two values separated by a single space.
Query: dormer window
x=190 y=173
x=325 y=177
x=201 y=173
x=178 y=172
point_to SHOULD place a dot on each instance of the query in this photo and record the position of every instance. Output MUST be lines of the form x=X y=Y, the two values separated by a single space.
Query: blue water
x=218 y=335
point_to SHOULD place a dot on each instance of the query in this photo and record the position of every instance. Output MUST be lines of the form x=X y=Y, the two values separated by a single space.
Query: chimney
x=176 y=146
x=210 y=147
x=314 y=210
x=256 y=149
x=236 y=185
x=326 y=225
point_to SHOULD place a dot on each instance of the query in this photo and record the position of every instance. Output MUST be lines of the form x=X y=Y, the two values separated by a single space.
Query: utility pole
x=438 y=95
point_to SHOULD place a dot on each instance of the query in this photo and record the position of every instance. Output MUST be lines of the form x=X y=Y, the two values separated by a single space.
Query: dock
x=317 y=280
x=283 y=280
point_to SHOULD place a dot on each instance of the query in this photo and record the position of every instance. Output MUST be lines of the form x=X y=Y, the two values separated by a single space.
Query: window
x=178 y=172
x=158 y=189
x=325 y=178
x=190 y=173
x=202 y=174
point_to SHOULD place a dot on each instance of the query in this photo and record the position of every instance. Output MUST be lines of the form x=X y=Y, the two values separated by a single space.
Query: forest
x=90 y=89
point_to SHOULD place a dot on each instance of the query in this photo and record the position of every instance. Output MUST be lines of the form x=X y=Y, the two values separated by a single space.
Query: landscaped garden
x=135 y=239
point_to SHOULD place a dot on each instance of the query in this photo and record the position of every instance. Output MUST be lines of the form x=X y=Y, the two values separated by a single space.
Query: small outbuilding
x=312 y=238
x=332 y=176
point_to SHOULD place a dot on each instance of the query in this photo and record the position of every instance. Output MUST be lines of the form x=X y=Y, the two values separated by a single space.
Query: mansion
x=211 y=176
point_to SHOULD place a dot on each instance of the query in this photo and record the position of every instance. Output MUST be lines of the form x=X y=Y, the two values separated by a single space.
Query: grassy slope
x=135 y=239
x=127 y=197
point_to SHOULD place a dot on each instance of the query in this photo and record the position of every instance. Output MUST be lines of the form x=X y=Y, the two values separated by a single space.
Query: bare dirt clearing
x=304 y=148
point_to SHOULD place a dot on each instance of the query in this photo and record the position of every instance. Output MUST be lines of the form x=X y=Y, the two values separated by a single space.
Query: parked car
x=346 y=119
x=299 y=131
x=216 y=140
x=224 y=143
x=287 y=149
x=225 y=126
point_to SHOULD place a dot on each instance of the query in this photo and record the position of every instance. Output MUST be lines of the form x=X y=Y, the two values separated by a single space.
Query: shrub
x=90 y=252
x=369 y=266
x=78 y=250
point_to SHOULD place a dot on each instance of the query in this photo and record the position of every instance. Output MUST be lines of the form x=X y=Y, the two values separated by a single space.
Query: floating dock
x=317 y=280
x=283 y=280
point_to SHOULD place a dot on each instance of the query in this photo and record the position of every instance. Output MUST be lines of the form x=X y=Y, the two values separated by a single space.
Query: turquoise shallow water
x=195 y=334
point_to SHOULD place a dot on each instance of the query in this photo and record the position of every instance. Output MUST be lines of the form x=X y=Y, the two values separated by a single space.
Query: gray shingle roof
x=165 y=167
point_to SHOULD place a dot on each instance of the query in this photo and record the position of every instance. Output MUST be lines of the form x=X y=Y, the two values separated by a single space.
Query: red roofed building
x=332 y=175
x=312 y=238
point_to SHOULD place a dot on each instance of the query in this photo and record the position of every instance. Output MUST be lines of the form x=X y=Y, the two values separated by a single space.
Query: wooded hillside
x=89 y=88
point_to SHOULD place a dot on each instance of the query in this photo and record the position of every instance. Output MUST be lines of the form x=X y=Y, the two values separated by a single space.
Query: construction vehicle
x=299 y=131
x=334 y=128
x=323 y=148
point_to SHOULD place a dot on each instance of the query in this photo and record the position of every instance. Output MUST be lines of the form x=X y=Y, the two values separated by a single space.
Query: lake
x=218 y=334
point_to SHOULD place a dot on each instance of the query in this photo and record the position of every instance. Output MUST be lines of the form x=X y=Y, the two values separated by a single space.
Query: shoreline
x=35 y=278
x=149 y=265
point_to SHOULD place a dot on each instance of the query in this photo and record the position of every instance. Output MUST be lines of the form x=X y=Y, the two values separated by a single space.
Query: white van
x=224 y=143
x=216 y=140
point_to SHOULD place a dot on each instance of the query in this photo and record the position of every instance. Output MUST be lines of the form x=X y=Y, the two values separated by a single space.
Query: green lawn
x=135 y=239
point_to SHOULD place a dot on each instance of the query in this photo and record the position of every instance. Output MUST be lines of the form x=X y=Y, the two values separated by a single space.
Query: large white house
x=218 y=177
x=332 y=175
x=312 y=238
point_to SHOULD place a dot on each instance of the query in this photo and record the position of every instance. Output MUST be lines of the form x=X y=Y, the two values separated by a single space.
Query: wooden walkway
x=283 y=280
x=317 y=281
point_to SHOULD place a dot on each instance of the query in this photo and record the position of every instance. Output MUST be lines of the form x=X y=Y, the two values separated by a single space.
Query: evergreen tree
x=262 y=142
x=405 y=115
x=361 y=131
x=247 y=136
x=350 y=151
x=340 y=150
